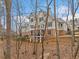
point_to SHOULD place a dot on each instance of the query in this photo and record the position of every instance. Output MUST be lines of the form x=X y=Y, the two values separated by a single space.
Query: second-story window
x=41 y=19
x=49 y=24
x=31 y=19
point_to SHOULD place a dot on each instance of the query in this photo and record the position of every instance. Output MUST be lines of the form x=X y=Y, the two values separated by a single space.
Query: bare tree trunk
x=20 y=34
x=0 y=25
x=76 y=51
x=57 y=42
x=73 y=25
x=74 y=9
x=67 y=18
x=45 y=31
x=8 y=30
x=73 y=37
x=36 y=31
x=0 y=15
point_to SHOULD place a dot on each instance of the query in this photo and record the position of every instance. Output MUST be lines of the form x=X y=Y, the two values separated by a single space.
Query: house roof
x=50 y=17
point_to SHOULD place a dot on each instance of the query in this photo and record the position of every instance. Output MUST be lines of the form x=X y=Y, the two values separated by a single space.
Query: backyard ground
x=50 y=52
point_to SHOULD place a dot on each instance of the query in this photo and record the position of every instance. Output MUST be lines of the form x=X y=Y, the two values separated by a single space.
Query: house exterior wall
x=76 y=22
x=61 y=26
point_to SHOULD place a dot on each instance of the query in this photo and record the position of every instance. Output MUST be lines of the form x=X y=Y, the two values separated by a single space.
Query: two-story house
x=41 y=20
